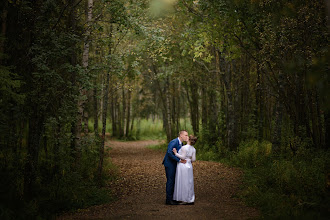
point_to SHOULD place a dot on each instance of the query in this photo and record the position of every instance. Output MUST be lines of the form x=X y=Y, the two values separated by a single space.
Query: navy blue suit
x=170 y=162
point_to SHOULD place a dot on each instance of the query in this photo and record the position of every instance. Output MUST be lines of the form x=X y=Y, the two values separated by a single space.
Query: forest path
x=141 y=189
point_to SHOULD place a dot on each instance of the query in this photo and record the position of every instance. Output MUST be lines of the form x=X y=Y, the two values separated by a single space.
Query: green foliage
x=145 y=129
x=207 y=155
x=252 y=154
x=60 y=185
x=161 y=147
x=40 y=80
x=91 y=125
x=284 y=187
x=208 y=150
x=9 y=85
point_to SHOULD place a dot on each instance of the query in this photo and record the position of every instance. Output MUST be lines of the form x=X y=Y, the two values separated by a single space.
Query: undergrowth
x=285 y=186
x=143 y=129
x=60 y=187
x=282 y=186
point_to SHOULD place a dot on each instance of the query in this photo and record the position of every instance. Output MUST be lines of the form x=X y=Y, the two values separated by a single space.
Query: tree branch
x=62 y=13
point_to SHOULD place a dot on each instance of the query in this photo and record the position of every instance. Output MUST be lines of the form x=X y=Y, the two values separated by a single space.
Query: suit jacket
x=170 y=160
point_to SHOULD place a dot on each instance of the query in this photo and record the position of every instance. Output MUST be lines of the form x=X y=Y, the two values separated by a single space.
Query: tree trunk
x=231 y=113
x=31 y=165
x=113 y=113
x=246 y=104
x=20 y=137
x=204 y=108
x=168 y=109
x=56 y=151
x=163 y=93
x=192 y=116
x=104 y=120
x=319 y=119
x=193 y=105
x=3 y=28
x=316 y=133
x=327 y=129
x=327 y=2
x=72 y=23
x=132 y=124
x=301 y=124
x=226 y=75
x=104 y=125
x=123 y=112
x=173 y=103
x=96 y=118
x=277 y=134
x=82 y=113
x=119 y=119
x=259 y=104
x=128 y=112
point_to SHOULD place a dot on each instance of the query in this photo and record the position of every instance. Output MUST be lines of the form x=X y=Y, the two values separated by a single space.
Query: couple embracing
x=179 y=170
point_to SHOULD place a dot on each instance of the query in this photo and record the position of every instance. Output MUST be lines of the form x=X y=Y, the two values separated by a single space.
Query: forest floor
x=140 y=189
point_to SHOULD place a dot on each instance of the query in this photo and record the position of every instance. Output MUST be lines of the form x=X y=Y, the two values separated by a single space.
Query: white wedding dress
x=184 y=177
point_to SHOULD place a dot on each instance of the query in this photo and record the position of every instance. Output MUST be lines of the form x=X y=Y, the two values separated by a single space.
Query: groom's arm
x=170 y=153
x=181 y=156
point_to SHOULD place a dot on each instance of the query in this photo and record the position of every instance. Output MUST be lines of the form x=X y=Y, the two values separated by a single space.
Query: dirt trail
x=141 y=189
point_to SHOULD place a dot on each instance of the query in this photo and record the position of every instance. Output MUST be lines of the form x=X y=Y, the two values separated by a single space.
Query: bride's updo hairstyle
x=192 y=139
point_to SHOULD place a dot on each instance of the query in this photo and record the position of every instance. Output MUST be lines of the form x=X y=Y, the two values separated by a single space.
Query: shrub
x=284 y=187
x=252 y=154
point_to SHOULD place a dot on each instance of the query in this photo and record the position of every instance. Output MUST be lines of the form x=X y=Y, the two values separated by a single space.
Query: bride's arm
x=193 y=158
x=182 y=155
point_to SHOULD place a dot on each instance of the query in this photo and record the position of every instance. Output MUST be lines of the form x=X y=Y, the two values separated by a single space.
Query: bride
x=184 y=177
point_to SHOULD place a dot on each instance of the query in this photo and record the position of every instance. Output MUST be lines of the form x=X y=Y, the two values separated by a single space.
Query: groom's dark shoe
x=187 y=203
x=171 y=202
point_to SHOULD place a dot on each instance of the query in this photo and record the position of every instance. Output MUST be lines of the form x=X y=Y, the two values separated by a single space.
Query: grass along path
x=141 y=189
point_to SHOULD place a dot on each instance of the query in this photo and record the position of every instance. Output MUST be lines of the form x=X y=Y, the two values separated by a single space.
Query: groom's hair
x=180 y=132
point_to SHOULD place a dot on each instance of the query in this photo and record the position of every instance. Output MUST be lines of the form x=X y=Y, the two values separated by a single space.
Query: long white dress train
x=184 y=177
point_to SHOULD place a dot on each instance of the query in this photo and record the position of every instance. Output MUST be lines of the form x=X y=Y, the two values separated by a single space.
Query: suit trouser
x=170 y=176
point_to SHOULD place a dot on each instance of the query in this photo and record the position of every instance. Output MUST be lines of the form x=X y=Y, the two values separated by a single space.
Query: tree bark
x=123 y=118
x=174 y=113
x=113 y=113
x=192 y=89
x=82 y=113
x=72 y=24
x=128 y=112
x=104 y=125
x=226 y=75
x=277 y=134
x=3 y=28
x=319 y=119
x=327 y=2
x=96 y=118
x=168 y=109
x=164 y=98
x=316 y=133
x=231 y=113
x=259 y=104
x=31 y=165
x=119 y=119
x=327 y=129
x=104 y=119
x=204 y=108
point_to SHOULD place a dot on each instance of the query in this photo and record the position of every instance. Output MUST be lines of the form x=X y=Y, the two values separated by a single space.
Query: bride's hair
x=192 y=139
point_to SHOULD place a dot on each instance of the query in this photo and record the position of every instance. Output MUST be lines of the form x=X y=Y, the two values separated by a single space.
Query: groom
x=170 y=162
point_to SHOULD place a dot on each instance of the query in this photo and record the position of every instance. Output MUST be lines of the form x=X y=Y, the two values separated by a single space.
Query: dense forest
x=250 y=78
